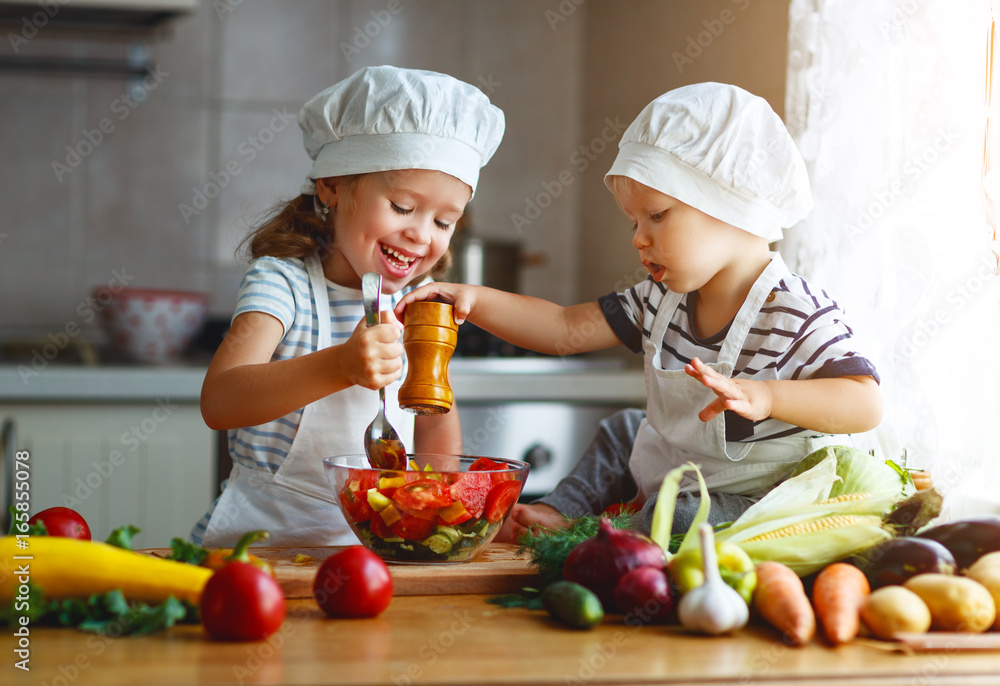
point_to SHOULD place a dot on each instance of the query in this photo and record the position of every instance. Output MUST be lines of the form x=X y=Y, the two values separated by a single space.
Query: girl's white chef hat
x=721 y=150
x=386 y=118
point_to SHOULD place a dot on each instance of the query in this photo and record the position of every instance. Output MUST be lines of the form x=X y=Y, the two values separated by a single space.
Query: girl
x=749 y=368
x=396 y=157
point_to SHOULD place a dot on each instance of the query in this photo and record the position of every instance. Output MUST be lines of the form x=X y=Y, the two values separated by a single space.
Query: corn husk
x=832 y=524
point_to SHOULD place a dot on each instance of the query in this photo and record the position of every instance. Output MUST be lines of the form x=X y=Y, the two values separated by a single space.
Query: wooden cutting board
x=498 y=569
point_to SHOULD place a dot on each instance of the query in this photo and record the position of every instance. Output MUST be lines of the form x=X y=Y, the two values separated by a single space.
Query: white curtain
x=886 y=101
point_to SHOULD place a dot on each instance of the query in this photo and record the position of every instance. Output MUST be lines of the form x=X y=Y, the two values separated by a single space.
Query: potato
x=986 y=570
x=957 y=603
x=893 y=609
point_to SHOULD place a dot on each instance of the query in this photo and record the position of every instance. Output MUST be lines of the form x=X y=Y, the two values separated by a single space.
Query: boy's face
x=680 y=246
x=398 y=225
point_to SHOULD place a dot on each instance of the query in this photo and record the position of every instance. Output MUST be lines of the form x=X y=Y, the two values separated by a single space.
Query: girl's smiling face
x=397 y=224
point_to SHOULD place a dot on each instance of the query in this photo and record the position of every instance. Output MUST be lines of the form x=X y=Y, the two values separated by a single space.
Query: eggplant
x=894 y=561
x=967 y=539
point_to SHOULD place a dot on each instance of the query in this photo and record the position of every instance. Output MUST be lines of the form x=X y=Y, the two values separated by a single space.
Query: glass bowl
x=445 y=508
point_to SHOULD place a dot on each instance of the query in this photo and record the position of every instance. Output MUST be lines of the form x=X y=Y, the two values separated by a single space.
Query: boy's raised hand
x=374 y=354
x=747 y=398
x=462 y=297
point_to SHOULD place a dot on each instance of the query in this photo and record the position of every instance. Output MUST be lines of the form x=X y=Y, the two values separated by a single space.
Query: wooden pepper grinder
x=429 y=337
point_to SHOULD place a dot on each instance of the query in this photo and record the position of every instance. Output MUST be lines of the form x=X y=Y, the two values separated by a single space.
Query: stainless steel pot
x=487 y=262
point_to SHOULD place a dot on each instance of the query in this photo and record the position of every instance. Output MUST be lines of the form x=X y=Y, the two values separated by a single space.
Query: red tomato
x=353 y=583
x=486 y=464
x=501 y=499
x=414 y=528
x=380 y=528
x=471 y=490
x=242 y=602
x=621 y=508
x=498 y=470
x=64 y=522
x=424 y=494
x=356 y=504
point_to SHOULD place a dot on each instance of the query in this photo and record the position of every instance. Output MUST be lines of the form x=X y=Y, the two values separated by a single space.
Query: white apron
x=296 y=504
x=671 y=434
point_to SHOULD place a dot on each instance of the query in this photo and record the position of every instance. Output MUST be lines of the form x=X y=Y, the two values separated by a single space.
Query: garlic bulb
x=714 y=607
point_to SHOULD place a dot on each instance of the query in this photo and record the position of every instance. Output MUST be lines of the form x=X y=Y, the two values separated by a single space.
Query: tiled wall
x=230 y=80
x=560 y=69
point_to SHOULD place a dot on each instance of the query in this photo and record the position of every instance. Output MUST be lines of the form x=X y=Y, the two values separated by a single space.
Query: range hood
x=140 y=15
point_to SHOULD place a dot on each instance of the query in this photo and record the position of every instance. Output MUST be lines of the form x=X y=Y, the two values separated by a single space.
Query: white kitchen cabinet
x=150 y=463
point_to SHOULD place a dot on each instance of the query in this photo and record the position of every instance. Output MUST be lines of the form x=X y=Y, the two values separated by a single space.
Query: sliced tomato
x=499 y=471
x=423 y=494
x=501 y=498
x=486 y=464
x=429 y=513
x=380 y=528
x=413 y=528
x=387 y=485
x=362 y=479
x=454 y=514
x=356 y=505
x=471 y=490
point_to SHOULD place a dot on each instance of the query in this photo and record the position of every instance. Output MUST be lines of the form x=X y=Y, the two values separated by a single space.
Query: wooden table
x=463 y=640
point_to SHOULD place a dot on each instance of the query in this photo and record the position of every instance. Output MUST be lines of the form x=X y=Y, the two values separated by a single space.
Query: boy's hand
x=750 y=399
x=374 y=354
x=462 y=297
x=526 y=517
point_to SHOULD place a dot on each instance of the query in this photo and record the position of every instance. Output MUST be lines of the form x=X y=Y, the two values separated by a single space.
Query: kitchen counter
x=472 y=379
x=463 y=640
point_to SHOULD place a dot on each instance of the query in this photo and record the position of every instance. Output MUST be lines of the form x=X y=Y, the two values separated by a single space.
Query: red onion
x=644 y=595
x=598 y=563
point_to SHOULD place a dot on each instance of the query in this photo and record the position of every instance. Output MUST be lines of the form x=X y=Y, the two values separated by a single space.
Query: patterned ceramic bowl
x=149 y=325
x=445 y=508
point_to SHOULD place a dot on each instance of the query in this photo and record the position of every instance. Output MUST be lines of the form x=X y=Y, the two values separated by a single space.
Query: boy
x=748 y=367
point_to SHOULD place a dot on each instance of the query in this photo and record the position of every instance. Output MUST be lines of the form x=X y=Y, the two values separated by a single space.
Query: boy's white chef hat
x=721 y=150
x=386 y=118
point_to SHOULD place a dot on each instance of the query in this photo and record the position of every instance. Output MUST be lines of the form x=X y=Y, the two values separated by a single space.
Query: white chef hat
x=387 y=118
x=721 y=150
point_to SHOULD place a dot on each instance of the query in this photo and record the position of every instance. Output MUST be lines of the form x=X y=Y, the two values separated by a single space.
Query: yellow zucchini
x=70 y=568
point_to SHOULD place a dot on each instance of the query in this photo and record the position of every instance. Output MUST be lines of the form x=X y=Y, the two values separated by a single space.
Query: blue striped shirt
x=280 y=287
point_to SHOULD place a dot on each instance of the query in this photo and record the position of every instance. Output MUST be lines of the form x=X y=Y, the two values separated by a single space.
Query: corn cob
x=821 y=524
x=846 y=497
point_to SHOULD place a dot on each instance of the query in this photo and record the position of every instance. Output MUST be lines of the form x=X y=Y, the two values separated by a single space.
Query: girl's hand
x=462 y=297
x=374 y=354
x=750 y=399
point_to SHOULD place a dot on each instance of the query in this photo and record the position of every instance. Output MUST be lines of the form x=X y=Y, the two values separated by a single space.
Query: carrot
x=780 y=598
x=839 y=592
